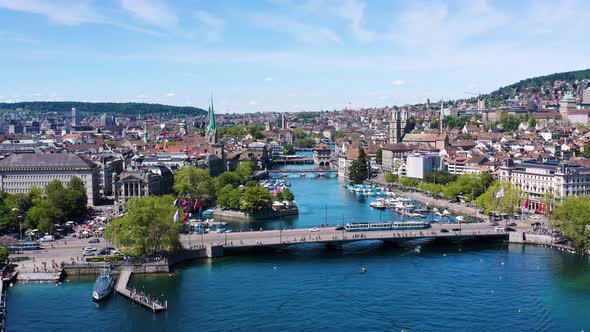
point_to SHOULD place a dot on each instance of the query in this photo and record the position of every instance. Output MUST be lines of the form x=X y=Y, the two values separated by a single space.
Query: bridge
x=294 y=160
x=332 y=236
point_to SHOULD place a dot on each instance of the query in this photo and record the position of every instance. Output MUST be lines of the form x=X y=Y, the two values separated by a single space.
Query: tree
x=196 y=182
x=246 y=170
x=440 y=177
x=147 y=226
x=56 y=195
x=586 y=151
x=3 y=255
x=279 y=196
x=298 y=133
x=288 y=195
x=390 y=177
x=255 y=199
x=43 y=215
x=379 y=156
x=508 y=202
x=227 y=178
x=228 y=197
x=76 y=198
x=288 y=149
x=572 y=217
x=532 y=122
x=359 y=170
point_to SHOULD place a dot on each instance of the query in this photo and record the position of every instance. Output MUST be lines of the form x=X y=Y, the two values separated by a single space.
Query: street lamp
x=20 y=229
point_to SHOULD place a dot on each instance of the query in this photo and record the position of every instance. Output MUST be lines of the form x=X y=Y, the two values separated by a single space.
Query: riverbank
x=262 y=215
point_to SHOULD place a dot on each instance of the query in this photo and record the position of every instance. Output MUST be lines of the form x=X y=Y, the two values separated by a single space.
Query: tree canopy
x=196 y=182
x=147 y=227
x=256 y=199
x=572 y=217
x=509 y=202
x=359 y=170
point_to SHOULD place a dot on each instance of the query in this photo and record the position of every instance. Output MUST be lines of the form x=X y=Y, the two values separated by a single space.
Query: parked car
x=88 y=253
x=510 y=229
x=95 y=240
x=495 y=224
x=513 y=224
x=499 y=229
x=48 y=238
x=340 y=228
x=89 y=249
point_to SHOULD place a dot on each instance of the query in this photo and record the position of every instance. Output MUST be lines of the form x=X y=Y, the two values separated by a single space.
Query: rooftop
x=45 y=160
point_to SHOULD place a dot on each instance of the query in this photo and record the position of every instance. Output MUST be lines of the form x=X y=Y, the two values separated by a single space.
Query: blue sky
x=275 y=55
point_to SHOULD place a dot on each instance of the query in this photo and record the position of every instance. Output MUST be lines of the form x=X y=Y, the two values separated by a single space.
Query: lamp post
x=20 y=229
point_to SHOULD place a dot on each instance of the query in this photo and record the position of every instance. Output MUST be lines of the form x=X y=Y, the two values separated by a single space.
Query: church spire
x=211 y=126
x=145 y=133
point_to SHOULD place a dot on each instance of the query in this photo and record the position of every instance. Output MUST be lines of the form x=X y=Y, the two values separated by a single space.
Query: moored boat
x=104 y=285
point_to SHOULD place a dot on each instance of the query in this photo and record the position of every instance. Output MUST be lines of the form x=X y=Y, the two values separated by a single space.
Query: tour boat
x=385 y=226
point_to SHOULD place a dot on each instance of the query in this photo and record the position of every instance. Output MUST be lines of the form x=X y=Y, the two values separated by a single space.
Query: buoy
x=502 y=263
x=275 y=267
x=500 y=277
x=518 y=310
x=492 y=292
x=444 y=255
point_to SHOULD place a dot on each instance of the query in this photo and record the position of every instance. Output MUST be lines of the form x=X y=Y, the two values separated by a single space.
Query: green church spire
x=211 y=126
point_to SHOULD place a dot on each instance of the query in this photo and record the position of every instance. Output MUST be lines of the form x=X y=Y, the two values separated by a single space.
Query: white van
x=47 y=238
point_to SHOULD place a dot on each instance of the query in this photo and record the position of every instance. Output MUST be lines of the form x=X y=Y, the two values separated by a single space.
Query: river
x=443 y=287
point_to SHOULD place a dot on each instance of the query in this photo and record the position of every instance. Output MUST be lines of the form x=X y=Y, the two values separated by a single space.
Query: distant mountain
x=98 y=108
x=542 y=87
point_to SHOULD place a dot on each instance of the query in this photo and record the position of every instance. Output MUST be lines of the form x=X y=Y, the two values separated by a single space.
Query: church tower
x=397 y=126
x=211 y=132
x=145 y=133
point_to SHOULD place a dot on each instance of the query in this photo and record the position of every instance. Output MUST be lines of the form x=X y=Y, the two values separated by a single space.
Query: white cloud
x=398 y=82
x=268 y=79
x=59 y=11
x=303 y=32
x=354 y=12
x=170 y=94
x=214 y=25
x=152 y=12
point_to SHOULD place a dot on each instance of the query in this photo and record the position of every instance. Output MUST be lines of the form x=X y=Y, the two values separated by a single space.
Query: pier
x=142 y=299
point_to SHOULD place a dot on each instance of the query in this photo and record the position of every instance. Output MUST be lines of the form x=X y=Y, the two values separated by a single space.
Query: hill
x=98 y=108
x=542 y=87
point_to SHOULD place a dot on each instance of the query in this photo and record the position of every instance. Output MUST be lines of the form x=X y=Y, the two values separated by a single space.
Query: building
x=19 y=172
x=420 y=164
x=567 y=105
x=538 y=179
x=586 y=96
x=437 y=141
x=157 y=180
x=397 y=126
x=216 y=163
x=108 y=166
x=75 y=117
x=106 y=120
x=322 y=155
x=393 y=155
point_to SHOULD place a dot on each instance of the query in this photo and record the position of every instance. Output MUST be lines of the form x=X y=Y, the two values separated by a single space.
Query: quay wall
x=523 y=237
x=94 y=268
x=266 y=214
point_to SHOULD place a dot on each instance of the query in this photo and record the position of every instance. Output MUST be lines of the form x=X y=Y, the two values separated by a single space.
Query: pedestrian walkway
x=140 y=298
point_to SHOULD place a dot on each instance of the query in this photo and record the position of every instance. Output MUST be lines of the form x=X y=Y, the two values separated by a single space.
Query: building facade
x=420 y=164
x=19 y=172
x=322 y=155
x=157 y=180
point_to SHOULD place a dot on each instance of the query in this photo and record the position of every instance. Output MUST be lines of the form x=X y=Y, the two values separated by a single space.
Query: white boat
x=378 y=205
x=446 y=212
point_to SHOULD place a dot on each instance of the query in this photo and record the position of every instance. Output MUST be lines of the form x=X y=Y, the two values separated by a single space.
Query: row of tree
x=43 y=209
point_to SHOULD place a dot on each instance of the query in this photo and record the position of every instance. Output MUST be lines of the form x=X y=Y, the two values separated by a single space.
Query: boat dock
x=141 y=299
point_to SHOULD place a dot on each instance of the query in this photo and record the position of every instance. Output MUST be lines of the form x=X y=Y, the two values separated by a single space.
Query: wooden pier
x=122 y=289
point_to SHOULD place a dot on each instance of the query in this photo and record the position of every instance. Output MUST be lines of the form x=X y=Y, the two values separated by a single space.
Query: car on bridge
x=456 y=229
x=444 y=230
x=315 y=229
x=340 y=228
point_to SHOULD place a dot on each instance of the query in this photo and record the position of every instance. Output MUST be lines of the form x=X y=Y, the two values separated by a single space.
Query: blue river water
x=308 y=287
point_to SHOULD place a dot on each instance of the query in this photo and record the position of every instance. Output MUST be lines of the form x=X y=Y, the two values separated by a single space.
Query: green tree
x=76 y=198
x=288 y=195
x=227 y=178
x=246 y=170
x=586 y=151
x=532 y=122
x=288 y=149
x=359 y=170
x=298 y=133
x=196 y=182
x=279 y=196
x=43 y=215
x=572 y=217
x=228 y=197
x=440 y=177
x=509 y=202
x=390 y=177
x=409 y=182
x=147 y=226
x=3 y=255
x=379 y=156
x=255 y=199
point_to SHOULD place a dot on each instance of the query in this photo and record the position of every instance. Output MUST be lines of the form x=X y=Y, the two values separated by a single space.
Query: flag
x=197 y=204
x=186 y=215
x=176 y=216
x=500 y=193
x=177 y=202
x=525 y=205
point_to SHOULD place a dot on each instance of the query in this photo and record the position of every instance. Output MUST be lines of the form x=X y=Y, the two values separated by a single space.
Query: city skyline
x=281 y=55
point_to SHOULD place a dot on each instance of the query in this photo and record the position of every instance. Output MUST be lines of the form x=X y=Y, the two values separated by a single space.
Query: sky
x=282 y=55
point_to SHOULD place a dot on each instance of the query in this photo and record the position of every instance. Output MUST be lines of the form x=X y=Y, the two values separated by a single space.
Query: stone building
x=19 y=172
x=156 y=180
x=322 y=155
